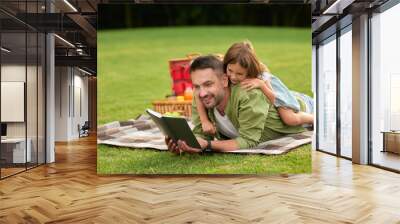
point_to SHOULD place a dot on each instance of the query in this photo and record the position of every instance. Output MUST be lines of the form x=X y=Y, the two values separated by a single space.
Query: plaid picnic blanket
x=143 y=133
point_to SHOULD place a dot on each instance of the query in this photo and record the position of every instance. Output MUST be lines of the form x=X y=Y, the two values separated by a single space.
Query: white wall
x=62 y=81
x=70 y=84
x=33 y=127
x=80 y=110
x=14 y=73
x=12 y=101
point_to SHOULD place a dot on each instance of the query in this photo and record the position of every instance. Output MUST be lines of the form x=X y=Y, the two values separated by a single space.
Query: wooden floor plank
x=70 y=191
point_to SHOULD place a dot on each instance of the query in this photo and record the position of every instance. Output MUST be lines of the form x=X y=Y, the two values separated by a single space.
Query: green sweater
x=252 y=114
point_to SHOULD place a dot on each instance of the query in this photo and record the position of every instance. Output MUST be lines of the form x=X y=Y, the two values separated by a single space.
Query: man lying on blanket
x=243 y=118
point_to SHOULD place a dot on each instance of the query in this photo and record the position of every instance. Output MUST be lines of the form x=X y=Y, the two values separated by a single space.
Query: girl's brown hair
x=244 y=54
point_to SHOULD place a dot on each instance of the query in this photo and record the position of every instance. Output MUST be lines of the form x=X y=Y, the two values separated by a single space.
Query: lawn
x=133 y=71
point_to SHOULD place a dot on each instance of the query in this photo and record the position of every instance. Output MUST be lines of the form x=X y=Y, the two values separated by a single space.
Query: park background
x=135 y=43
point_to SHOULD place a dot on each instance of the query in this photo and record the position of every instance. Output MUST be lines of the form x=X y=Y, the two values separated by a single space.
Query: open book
x=176 y=128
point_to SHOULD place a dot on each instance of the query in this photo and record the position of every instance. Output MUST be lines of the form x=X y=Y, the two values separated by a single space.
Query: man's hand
x=181 y=146
x=203 y=143
x=172 y=146
x=184 y=147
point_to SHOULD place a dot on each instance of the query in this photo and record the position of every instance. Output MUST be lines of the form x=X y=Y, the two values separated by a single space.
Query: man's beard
x=210 y=100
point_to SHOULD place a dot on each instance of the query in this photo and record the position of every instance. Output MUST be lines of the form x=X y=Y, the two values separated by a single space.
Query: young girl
x=242 y=67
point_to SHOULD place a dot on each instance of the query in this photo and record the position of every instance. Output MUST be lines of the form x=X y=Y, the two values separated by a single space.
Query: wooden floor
x=69 y=191
x=10 y=171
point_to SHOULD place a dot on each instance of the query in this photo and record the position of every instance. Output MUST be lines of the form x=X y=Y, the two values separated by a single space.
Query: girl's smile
x=236 y=73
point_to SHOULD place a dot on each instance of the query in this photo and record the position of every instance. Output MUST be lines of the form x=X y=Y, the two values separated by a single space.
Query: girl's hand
x=208 y=128
x=253 y=83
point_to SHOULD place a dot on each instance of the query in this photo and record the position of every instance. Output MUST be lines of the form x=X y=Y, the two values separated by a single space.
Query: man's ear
x=225 y=80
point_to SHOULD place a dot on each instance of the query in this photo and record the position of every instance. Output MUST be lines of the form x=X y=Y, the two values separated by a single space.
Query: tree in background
x=145 y=15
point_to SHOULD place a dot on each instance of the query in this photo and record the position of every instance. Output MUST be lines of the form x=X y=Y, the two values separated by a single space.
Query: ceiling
x=72 y=20
x=328 y=13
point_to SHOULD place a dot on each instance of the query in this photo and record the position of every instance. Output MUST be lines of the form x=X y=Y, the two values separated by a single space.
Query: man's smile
x=207 y=99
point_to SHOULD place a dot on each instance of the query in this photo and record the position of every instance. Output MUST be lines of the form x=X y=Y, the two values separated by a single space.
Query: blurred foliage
x=150 y=15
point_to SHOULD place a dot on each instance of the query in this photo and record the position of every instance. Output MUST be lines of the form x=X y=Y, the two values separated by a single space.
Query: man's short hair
x=208 y=61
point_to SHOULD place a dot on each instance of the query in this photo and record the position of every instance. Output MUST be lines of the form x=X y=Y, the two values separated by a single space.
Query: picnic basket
x=183 y=107
x=180 y=74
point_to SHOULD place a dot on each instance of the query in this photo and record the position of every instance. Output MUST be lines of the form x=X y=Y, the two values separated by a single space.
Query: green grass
x=128 y=161
x=133 y=71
